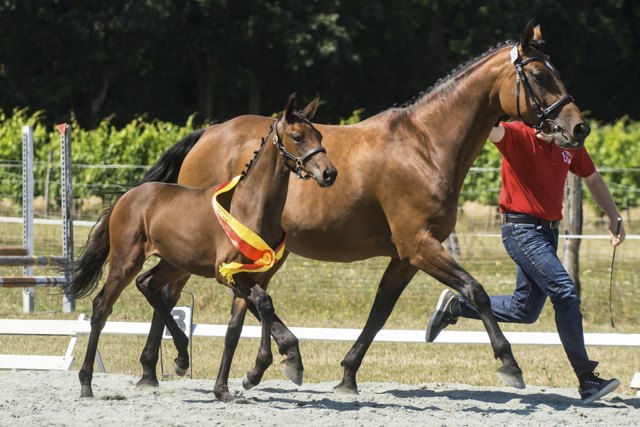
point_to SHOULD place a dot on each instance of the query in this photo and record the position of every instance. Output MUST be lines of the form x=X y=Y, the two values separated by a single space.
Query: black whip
x=613 y=258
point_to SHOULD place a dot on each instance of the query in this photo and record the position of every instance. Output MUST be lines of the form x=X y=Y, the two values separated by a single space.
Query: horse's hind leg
x=149 y=356
x=434 y=260
x=395 y=279
x=117 y=280
x=150 y=285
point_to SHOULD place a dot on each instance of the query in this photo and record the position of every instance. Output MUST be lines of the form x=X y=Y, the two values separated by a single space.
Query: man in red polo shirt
x=534 y=171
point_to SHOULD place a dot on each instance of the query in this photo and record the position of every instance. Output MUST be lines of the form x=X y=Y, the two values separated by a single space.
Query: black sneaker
x=593 y=387
x=447 y=313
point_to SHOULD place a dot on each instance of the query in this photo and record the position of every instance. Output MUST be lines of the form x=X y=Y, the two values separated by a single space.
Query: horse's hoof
x=224 y=396
x=248 y=385
x=148 y=382
x=294 y=374
x=181 y=372
x=345 y=389
x=511 y=377
x=86 y=391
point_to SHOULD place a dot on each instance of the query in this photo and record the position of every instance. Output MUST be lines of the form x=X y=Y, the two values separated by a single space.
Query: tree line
x=169 y=59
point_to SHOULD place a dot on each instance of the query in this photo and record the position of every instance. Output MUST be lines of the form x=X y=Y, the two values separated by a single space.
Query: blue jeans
x=540 y=274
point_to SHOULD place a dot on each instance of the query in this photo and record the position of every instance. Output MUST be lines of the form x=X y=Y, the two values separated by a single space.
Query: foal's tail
x=86 y=271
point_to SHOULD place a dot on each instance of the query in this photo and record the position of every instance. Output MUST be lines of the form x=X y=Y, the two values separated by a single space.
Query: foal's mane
x=256 y=153
x=447 y=84
x=247 y=167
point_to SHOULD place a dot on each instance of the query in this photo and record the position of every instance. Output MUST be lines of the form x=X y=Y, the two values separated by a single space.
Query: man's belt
x=519 y=218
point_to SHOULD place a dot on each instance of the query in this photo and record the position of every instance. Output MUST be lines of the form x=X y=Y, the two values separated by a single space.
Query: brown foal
x=177 y=224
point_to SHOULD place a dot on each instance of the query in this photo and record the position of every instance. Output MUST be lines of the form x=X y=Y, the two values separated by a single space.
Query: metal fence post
x=28 y=299
x=68 y=304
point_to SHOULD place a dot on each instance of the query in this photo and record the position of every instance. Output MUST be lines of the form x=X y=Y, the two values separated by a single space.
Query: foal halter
x=545 y=125
x=299 y=161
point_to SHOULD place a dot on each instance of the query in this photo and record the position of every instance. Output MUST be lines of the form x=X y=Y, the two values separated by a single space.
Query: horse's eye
x=540 y=78
x=297 y=137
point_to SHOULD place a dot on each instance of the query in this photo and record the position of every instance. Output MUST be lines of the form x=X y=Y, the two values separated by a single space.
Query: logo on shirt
x=566 y=157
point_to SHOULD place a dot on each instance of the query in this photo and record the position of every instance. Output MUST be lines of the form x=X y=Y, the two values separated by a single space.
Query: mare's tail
x=86 y=271
x=168 y=166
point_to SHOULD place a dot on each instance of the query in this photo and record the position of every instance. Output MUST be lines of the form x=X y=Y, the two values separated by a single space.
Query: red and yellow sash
x=244 y=239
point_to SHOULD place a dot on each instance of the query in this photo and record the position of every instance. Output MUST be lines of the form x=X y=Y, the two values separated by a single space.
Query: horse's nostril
x=581 y=131
x=329 y=176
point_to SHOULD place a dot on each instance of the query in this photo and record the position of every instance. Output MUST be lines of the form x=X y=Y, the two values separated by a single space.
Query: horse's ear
x=528 y=34
x=537 y=35
x=290 y=107
x=310 y=110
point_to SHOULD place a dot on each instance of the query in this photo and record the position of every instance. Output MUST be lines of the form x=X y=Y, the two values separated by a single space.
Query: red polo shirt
x=534 y=172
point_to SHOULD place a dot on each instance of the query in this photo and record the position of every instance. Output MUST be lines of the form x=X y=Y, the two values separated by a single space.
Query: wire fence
x=477 y=227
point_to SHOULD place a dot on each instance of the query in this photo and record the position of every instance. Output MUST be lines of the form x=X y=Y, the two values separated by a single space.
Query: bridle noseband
x=545 y=125
x=299 y=161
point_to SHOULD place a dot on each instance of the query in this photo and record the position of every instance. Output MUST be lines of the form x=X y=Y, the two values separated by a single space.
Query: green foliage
x=482 y=184
x=139 y=143
x=613 y=147
x=355 y=117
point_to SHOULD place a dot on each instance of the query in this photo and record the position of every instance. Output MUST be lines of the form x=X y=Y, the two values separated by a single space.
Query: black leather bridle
x=545 y=125
x=298 y=161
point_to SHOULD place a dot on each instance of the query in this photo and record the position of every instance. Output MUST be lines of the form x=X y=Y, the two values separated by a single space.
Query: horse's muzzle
x=328 y=178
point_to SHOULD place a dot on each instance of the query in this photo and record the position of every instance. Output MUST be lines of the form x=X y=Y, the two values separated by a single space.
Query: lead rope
x=613 y=258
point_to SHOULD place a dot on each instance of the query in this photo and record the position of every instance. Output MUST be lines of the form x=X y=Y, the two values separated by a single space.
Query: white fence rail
x=83 y=327
x=75 y=328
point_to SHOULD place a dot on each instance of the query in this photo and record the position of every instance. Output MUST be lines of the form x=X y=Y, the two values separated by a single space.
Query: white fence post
x=68 y=304
x=28 y=300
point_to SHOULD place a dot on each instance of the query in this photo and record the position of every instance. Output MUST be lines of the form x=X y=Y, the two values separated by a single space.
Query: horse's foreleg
x=396 y=277
x=434 y=260
x=262 y=301
x=150 y=353
x=151 y=285
x=288 y=346
x=231 y=338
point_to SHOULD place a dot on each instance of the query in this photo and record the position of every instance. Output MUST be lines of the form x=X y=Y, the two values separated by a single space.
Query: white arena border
x=75 y=328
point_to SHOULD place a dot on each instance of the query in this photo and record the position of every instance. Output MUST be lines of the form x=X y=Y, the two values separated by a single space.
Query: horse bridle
x=299 y=161
x=545 y=125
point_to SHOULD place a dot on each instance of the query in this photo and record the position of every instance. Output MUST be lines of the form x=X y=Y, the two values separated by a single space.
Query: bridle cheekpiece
x=545 y=125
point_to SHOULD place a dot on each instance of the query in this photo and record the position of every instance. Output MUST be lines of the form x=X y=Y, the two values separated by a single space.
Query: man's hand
x=616 y=226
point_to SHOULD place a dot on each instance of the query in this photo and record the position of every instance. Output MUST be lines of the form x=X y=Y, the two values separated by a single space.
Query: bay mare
x=177 y=224
x=401 y=172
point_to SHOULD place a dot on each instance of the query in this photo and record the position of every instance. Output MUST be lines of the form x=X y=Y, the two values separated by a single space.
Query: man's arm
x=601 y=194
x=497 y=133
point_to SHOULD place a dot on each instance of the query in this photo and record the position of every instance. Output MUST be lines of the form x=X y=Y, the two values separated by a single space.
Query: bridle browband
x=545 y=125
x=298 y=161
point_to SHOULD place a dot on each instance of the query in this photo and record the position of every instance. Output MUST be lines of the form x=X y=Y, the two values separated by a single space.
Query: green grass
x=311 y=293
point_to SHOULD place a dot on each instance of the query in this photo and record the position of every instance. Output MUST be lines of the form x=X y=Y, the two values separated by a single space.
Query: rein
x=545 y=125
